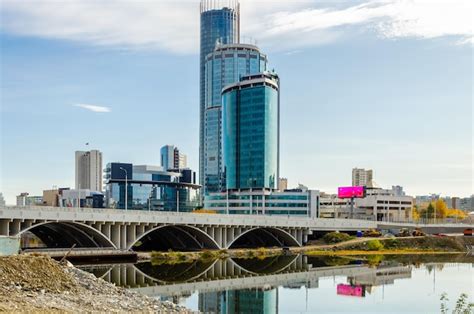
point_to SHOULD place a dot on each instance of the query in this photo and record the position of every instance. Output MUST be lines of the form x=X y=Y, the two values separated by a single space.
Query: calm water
x=300 y=284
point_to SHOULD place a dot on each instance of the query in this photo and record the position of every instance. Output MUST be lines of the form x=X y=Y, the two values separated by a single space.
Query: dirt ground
x=32 y=283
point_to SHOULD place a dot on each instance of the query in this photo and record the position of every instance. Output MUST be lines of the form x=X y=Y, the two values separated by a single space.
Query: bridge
x=59 y=227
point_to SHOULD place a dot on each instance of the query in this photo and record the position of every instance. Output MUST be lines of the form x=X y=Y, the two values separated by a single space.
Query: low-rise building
x=378 y=204
x=295 y=202
x=81 y=198
x=25 y=199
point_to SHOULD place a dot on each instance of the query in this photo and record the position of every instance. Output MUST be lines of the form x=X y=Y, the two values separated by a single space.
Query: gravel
x=37 y=283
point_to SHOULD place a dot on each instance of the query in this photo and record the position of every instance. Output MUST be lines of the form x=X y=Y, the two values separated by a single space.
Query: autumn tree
x=441 y=209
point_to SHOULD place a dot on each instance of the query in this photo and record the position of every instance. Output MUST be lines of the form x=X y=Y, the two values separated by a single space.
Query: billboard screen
x=355 y=291
x=351 y=191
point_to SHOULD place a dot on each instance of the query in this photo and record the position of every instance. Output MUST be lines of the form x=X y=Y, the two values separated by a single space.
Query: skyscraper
x=218 y=25
x=89 y=170
x=224 y=66
x=362 y=177
x=171 y=158
x=251 y=132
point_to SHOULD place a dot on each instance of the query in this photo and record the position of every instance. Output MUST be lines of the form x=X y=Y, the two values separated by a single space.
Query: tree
x=441 y=209
x=415 y=214
x=428 y=212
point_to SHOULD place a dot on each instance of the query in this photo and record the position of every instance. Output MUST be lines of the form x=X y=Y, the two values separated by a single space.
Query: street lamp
x=126 y=187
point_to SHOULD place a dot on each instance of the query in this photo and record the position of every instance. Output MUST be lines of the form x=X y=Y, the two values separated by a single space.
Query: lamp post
x=126 y=187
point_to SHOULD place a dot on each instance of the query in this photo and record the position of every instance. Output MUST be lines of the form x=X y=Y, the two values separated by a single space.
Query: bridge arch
x=263 y=237
x=65 y=234
x=176 y=237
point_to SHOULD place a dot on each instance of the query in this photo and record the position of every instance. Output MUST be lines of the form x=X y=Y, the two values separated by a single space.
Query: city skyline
x=75 y=82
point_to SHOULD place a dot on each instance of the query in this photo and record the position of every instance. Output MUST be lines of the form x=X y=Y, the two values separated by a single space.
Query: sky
x=385 y=85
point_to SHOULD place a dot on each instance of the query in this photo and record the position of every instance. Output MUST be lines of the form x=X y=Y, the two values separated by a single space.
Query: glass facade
x=264 y=202
x=251 y=132
x=150 y=188
x=226 y=65
x=218 y=25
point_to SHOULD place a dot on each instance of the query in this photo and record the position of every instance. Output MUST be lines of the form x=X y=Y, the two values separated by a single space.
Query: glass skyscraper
x=226 y=65
x=250 y=127
x=218 y=25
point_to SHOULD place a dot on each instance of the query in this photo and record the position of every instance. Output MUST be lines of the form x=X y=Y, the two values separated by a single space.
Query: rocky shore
x=36 y=283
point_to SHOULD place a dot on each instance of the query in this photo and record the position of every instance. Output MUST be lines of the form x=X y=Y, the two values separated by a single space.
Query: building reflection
x=239 y=301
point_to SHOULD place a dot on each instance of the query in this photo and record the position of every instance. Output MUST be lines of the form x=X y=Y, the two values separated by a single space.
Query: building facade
x=251 y=133
x=282 y=184
x=171 y=158
x=219 y=25
x=224 y=66
x=81 y=198
x=264 y=202
x=362 y=177
x=89 y=170
x=379 y=204
x=151 y=188
x=25 y=199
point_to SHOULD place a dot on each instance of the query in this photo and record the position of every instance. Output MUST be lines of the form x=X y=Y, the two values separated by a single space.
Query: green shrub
x=336 y=237
x=374 y=245
x=391 y=243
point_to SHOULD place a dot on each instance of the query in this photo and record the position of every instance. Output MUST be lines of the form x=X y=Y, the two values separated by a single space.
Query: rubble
x=36 y=283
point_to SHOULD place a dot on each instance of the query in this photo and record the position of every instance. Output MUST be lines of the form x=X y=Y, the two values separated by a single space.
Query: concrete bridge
x=145 y=230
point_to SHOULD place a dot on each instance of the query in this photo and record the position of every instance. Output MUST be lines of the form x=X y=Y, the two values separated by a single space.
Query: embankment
x=37 y=283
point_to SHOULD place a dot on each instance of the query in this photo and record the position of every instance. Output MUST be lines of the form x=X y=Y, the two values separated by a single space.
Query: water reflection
x=252 y=285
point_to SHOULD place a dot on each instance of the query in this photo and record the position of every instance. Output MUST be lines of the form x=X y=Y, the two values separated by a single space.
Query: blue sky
x=382 y=85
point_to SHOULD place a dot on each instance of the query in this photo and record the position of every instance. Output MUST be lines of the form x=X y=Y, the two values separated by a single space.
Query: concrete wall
x=9 y=245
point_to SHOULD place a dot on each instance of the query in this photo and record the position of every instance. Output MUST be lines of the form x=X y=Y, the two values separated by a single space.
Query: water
x=301 y=284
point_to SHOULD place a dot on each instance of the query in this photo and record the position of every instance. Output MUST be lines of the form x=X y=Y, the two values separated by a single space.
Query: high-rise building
x=2 y=200
x=219 y=24
x=282 y=184
x=251 y=132
x=171 y=158
x=362 y=177
x=224 y=66
x=89 y=170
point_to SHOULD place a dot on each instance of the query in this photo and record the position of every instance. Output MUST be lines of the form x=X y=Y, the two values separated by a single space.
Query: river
x=302 y=284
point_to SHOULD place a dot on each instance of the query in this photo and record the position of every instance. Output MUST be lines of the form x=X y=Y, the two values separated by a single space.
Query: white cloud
x=93 y=108
x=287 y=25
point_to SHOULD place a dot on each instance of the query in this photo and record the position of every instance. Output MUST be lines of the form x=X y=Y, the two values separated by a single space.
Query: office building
x=171 y=158
x=151 y=188
x=264 y=202
x=378 y=204
x=362 y=177
x=2 y=200
x=282 y=184
x=25 y=199
x=81 y=198
x=224 y=66
x=89 y=170
x=219 y=25
x=251 y=133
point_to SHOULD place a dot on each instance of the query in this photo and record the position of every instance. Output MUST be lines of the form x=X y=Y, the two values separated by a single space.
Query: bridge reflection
x=244 y=285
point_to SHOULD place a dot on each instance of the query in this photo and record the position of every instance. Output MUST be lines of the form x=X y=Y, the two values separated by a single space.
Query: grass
x=380 y=252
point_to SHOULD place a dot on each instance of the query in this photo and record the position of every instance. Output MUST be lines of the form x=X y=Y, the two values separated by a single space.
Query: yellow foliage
x=204 y=211
x=441 y=208
x=456 y=213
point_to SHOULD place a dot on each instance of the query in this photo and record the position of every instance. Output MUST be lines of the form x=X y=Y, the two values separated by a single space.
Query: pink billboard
x=351 y=192
x=355 y=291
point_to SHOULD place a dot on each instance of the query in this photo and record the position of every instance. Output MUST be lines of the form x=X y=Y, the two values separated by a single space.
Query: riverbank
x=37 y=283
x=359 y=246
